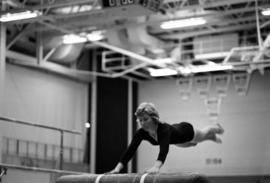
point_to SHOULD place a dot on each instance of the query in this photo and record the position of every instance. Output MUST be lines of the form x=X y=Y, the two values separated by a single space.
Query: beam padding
x=134 y=178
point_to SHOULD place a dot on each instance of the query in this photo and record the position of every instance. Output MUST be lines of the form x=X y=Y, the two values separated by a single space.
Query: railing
x=61 y=131
x=53 y=173
x=31 y=153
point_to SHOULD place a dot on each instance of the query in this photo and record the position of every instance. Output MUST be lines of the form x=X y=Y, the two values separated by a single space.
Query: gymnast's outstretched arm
x=128 y=154
x=163 y=151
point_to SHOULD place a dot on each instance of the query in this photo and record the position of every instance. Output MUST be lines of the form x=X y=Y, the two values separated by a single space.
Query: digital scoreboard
x=152 y=5
x=117 y=3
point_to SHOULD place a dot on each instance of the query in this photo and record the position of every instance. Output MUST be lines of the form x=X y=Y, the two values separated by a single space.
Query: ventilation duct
x=120 y=39
x=138 y=35
x=136 y=39
x=64 y=53
x=67 y=53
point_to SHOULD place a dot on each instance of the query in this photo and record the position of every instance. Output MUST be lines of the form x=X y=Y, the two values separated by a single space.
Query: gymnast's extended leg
x=208 y=133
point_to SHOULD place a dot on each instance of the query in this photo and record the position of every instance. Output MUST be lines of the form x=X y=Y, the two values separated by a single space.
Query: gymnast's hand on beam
x=114 y=171
x=117 y=169
x=154 y=169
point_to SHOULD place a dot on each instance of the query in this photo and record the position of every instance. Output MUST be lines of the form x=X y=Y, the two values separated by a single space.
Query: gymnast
x=163 y=134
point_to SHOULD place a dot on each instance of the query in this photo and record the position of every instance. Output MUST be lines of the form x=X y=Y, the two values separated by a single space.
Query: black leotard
x=166 y=134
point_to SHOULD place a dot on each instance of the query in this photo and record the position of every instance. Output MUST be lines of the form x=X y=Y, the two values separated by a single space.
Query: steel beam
x=93 y=136
x=2 y=57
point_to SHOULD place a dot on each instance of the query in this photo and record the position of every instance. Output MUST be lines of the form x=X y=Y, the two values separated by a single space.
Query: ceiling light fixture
x=266 y=12
x=172 y=24
x=188 y=70
x=83 y=37
x=161 y=72
x=204 y=68
x=19 y=16
x=73 y=39
x=95 y=35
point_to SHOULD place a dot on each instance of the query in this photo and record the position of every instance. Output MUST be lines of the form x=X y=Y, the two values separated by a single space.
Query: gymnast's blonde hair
x=147 y=108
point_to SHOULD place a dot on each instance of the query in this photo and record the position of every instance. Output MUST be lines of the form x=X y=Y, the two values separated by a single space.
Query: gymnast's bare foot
x=220 y=129
x=218 y=140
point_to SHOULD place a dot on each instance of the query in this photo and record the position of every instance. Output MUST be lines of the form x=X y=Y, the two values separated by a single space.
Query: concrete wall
x=45 y=99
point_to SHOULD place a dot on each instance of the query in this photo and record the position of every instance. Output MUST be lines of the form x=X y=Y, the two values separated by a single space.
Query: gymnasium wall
x=245 y=148
x=45 y=99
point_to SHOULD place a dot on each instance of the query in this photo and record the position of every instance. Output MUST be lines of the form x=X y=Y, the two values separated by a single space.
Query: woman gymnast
x=181 y=134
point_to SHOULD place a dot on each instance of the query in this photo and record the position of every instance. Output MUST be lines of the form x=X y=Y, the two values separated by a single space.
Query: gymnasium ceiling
x=234 y=36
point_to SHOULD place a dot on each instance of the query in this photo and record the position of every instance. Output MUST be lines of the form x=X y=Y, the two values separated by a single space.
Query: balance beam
x=134 y=178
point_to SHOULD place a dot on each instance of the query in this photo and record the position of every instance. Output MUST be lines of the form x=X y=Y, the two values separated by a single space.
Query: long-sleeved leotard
x=166 y=134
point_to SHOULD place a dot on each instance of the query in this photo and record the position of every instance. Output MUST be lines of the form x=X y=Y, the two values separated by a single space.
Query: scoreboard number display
x=117 y=3
x=153 y=5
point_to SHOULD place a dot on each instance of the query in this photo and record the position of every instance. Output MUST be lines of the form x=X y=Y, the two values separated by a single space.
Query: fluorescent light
x=205 y=68
x=72 y=39
x=75 y=9
x=162 y=72
x=95 y=36
x=266 y=12
x=188 y=70
x=182 y=23
x=83 y=37
x=211 y=55
x=19 y=16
